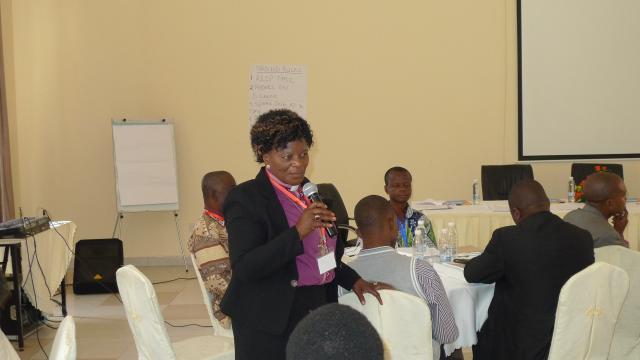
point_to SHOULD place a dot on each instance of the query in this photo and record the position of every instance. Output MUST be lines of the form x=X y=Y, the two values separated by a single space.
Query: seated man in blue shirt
x=378 y=260
x=397 y=184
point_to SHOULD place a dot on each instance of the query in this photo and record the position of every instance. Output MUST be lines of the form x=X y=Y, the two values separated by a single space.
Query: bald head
x=527 y=197
x=215 y=187
x=601 y=186
x=371 y=213
x=376 y=222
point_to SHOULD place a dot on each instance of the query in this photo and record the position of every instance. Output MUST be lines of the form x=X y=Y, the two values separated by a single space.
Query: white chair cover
x=147 y=324
x=6 y=349
x=206 y=297
x=403 y=322
x=64 y=344
x=626 y=336
x=588 y=308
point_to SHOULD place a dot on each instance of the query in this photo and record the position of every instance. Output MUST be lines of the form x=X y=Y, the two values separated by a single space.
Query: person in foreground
x=209 y=243
x=283 y=260
x=529 y=263
x=397 y=184
x=354 y=338
x=378 y=260
x=606 y=197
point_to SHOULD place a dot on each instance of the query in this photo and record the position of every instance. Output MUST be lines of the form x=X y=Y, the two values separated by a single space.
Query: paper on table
x=499 y=208
x=566 y=206
x=433 y=207
x=456 y=202
x=469 y=255
x=429 y=202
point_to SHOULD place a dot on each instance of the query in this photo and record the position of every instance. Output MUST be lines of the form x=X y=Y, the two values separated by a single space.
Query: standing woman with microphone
x=284 y=263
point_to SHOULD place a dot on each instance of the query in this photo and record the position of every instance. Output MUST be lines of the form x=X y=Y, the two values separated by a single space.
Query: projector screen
x=579 y=79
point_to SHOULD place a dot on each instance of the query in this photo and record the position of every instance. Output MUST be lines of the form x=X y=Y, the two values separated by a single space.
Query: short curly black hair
x=275 y=129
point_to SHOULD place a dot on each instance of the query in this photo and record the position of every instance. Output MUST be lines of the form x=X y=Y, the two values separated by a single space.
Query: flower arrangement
x=580 y=187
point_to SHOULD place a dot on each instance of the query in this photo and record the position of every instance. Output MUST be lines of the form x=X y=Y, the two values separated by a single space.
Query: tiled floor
x=102 y=331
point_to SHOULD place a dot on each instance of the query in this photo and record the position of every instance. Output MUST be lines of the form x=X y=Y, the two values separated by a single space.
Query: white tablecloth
x=470 y=304
x=476 y=223
x=54 y=258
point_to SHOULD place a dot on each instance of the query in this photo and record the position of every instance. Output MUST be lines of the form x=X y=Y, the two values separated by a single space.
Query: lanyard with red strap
x=214 y=215
x=303 y=205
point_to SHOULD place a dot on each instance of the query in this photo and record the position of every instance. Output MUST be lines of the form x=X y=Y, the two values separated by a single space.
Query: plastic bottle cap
x=451 y=223
x=475 y=180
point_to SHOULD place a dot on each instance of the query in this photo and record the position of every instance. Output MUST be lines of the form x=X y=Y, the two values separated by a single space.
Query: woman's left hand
x=362 y=286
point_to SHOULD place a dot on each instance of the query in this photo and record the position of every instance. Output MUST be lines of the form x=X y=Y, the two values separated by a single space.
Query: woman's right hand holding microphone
x=315 y=216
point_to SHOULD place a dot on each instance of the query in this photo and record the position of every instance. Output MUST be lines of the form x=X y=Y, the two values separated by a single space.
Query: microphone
x=310 y=190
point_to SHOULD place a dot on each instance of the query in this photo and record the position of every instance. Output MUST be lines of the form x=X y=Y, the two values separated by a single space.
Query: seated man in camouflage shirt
x=209 y=242
x=397 y=184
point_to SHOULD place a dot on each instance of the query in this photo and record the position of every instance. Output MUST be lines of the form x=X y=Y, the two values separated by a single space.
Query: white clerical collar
x=292 y=188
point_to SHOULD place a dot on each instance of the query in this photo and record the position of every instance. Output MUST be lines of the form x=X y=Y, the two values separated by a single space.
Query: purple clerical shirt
x=307 y=263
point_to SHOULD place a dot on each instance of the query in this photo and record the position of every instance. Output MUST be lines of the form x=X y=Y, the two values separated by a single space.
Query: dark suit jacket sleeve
x=584 y=250
x=488 y=266
x=346 y=276
x=253 y=255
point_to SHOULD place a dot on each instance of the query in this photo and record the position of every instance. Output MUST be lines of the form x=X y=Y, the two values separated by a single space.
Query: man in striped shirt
x=378 y=260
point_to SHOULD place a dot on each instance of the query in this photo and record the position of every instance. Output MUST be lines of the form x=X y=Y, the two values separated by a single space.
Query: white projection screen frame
x=579 y=79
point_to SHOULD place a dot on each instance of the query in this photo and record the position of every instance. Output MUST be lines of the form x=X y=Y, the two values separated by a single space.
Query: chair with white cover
x=64 y=344
x=147 y=324
x=7 y=352
x=588 y=308
x=626 y=336
x=403 y=322
x=206 y=297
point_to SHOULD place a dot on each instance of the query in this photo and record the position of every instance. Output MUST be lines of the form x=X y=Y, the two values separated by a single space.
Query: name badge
x=326 y=262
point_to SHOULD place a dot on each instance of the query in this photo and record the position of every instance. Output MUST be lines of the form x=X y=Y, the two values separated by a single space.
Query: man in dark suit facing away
x=529 y=263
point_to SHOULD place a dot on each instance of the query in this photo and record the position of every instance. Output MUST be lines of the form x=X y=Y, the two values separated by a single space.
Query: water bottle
x=453 y=238
x=419 y=245
x=475 y=192
x=425 y=235
x=443 y=241
x=572 y=190
x=420 y=227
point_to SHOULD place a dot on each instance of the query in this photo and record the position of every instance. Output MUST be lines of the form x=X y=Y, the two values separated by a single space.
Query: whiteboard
x=277 y=87
x=145 y=165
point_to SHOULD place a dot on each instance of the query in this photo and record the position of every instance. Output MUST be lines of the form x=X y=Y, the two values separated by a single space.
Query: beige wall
x=430 y=85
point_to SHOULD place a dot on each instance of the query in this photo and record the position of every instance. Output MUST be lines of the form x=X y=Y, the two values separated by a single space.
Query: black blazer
x=263 y=250
x=529 y=263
